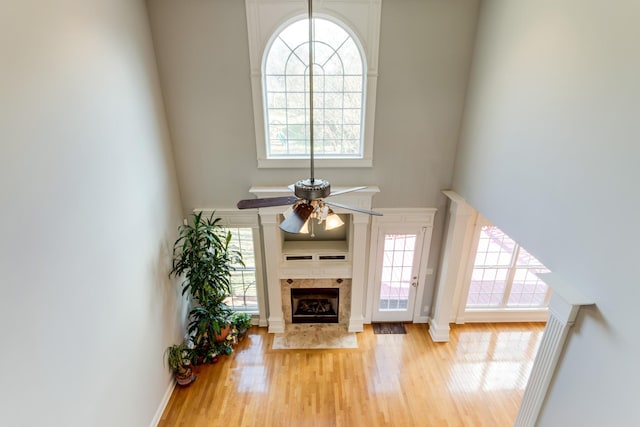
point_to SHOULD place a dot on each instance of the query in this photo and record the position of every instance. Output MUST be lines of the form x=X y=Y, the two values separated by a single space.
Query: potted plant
x=241 y=322
x=209 y=322
x=201 y=255
x=179 y=361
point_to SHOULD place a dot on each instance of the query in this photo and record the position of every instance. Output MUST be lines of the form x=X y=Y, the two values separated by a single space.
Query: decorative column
x=563 y=310
x=273 y=250
x=359 y=259
x=461 y=216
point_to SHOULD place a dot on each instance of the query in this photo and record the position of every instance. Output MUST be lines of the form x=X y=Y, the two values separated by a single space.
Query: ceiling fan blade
x=348 y=190
x=266 y=202
x=340 y=205
x=294 y=222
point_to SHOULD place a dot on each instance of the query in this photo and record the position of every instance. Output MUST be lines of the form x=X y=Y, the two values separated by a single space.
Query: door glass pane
x=397 y=266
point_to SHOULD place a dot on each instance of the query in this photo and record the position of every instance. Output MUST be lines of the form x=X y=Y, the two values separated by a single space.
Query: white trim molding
x=451 y=277
x=163 y=403
x=563 y=310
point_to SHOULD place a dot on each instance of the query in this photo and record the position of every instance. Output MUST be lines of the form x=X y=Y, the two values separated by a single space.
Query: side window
x=244 y=295
x=504 y=274
x=338 y=87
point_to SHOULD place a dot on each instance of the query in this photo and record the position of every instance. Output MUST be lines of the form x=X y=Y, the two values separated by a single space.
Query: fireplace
x=315 y=305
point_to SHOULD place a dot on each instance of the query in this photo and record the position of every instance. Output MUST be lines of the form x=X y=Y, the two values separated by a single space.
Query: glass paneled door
x=397 y=272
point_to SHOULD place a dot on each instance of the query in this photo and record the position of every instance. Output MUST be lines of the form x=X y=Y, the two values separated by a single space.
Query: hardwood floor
x=477 y=379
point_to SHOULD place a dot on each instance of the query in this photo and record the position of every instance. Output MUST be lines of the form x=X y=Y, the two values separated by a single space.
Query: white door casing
x=392 y=227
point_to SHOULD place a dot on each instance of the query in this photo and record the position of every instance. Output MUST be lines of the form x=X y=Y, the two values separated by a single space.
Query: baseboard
x=276 y=326
x=163 y=403
x=356 y=325
x=421 y=319
x=439 y=333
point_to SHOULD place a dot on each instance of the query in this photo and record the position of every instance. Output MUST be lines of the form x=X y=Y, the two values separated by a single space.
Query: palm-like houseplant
x=201 y=254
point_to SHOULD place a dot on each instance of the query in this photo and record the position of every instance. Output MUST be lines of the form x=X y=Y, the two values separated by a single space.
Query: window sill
x=482 y=315
x=318 y=163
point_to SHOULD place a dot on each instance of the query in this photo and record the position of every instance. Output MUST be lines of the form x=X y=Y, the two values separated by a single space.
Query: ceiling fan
x=308 y=202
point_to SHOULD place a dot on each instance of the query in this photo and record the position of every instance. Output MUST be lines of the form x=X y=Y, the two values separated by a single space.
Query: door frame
x=422 y=218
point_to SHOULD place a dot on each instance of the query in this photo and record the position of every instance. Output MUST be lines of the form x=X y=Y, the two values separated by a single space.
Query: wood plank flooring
x=477 y=379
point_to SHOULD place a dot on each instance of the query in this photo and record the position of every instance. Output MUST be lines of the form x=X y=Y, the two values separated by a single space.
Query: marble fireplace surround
x=353 y=271
x=344 y=304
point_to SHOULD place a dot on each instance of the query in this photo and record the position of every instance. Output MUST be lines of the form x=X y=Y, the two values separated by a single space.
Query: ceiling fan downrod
x=312 y=177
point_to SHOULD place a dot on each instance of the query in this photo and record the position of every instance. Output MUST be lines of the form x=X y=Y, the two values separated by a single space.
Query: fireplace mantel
x=354 y=267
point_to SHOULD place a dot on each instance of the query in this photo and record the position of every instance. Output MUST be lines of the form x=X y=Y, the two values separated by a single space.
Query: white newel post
x=359 y=271
x=563 y=309
x=461 y=216
x=273 y=249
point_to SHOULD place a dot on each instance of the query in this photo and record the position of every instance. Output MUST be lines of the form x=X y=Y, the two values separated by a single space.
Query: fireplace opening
x=314 y=305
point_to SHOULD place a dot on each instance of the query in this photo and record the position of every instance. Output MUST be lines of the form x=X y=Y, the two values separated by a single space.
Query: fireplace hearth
x=315 y=305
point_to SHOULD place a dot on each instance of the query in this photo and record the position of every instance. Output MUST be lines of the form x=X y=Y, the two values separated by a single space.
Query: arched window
x=347 y=35
x=338 y=87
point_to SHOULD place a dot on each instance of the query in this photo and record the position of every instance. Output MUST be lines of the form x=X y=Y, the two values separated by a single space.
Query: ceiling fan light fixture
x=333 y=221
x=296 y=220
x=305 y=228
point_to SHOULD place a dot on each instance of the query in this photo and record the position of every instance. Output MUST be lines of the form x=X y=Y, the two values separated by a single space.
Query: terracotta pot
x=223 y=334
x=187 y=378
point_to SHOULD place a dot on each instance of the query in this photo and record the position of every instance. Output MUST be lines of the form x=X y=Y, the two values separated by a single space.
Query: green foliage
x=201 y=255
x=225 y=347
x=206 y=321
x=178 y=358
x=241 y=321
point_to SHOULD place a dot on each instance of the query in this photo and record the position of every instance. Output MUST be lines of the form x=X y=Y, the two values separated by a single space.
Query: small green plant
x=179 y=361
x=241 y=321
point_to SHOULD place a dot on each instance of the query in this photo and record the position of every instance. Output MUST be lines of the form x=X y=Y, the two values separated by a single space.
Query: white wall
x=425 y=51
x=89 y=205
x=549 y=153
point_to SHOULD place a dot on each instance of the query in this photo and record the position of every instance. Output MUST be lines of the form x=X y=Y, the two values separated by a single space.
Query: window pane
x=352 y=99
x=349 y=51
x=487 y=287
x=527 y=289
x=495 y=271
x=338 y=94
x=494 y=248
x=525 y=258
x=244 y=295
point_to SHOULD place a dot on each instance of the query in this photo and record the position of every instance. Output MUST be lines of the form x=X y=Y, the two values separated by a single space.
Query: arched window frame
x=265 y=20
